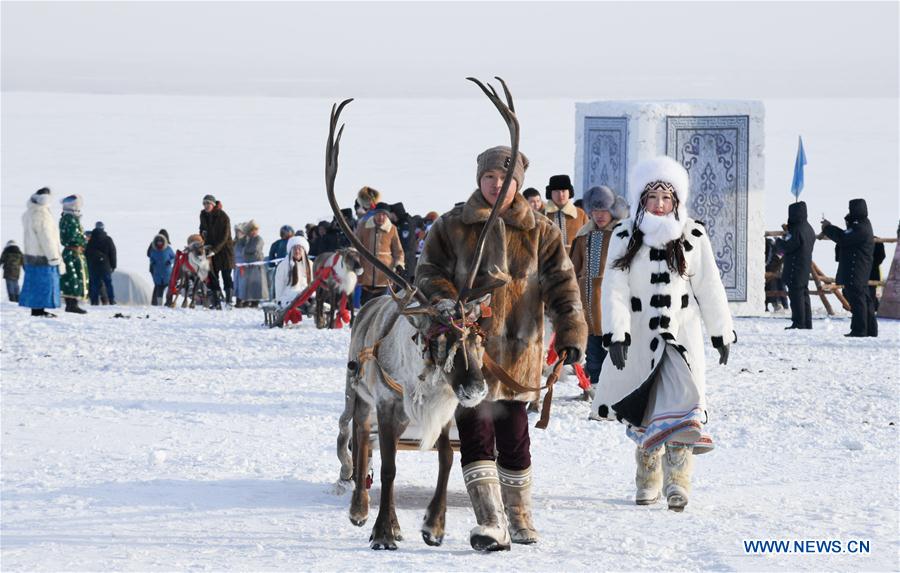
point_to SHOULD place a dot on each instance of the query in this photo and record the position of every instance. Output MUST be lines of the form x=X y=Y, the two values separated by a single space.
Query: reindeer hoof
x=383 y=544
x=358 y=521
x=432 y=540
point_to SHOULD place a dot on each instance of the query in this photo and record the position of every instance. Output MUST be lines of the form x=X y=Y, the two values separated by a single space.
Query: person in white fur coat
x=293 y=273
x=660 y=280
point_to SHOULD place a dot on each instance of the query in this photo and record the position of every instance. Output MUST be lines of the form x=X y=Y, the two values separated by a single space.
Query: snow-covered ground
x=198 y=440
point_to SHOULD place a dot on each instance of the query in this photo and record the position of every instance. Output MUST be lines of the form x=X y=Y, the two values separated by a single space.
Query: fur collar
x=591 y=226
x=518 y=215
x=370 y=223
x=660 y=230
x=569 y=209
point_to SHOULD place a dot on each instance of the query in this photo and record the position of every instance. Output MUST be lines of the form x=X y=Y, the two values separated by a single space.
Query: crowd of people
x=626 y=285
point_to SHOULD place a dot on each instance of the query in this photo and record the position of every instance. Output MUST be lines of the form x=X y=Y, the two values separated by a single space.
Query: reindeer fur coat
x=529 y=253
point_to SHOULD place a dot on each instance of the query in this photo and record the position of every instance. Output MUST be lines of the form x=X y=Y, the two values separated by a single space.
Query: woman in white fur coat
x=660 y=280
x=43 y=260
x=293 y=273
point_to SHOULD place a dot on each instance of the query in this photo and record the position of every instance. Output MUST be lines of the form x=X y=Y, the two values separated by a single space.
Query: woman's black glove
x=618 y=353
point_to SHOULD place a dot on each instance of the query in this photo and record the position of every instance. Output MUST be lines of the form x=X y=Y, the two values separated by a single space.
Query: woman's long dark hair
x=674 y=251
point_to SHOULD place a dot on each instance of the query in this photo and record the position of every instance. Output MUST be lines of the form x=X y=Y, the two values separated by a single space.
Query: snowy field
x=197 y=440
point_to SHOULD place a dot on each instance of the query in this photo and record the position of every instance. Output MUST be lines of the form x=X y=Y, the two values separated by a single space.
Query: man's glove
x=573 y=354
x=401 y=270
x=618 y=353
x=723 y=353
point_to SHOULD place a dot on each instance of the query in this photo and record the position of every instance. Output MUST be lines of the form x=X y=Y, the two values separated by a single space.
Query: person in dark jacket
x=215 y=228
x=100 y=253
x=162 y=258
x=797 y=246
x=856 y=245
x=12 y=260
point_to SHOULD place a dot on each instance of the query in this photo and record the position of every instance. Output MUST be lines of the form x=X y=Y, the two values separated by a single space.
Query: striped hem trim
x=514 y=479
x=477 y=473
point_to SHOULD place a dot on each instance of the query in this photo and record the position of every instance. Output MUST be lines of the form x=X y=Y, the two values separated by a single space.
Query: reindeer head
x=448 y=331
x=451 y=341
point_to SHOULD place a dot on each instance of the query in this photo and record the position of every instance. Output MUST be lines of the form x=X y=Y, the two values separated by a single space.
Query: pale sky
x=581 y=50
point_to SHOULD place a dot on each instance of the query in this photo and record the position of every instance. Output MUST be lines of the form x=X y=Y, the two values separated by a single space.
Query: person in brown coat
x=215 y=228
x=588 y=254
x=380 y=236
x=526 y=251
x=562 y=211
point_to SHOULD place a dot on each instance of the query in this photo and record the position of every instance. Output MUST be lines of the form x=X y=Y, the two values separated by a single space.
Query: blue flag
x=797 y=184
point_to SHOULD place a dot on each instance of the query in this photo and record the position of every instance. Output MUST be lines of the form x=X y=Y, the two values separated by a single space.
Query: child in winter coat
x=162 y=257
x=11 y=260
x=660 y=281
x=589 y=254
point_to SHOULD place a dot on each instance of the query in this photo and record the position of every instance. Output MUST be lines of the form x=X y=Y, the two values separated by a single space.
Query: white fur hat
x=660 y=168
x=297 y=239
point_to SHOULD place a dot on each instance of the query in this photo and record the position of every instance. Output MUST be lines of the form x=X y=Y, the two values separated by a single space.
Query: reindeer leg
x=435 y=517
x=386 y=531
x=343 y=441
x=359 y=504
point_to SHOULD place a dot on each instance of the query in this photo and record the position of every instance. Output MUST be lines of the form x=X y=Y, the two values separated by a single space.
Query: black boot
x=228 y=296
x=72 y=306
x=42 y=312
x=215 y=302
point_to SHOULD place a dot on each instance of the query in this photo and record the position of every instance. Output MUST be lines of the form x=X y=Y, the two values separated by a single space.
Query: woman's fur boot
x=649 y=475
x=678 y=464
x=515 y=486
x=483 y=485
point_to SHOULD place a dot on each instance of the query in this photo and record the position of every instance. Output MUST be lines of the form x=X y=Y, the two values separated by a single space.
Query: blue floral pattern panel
x=714 y=150
x=605 y=156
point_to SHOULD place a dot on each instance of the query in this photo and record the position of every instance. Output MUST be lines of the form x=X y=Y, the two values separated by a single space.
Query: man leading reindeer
x=525 y=255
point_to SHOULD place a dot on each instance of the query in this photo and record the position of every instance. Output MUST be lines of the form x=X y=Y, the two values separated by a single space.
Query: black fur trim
x=633 y=406
x=697 y=232
x=701 y=223
x=635 y=304
x=718 y=342
x=654 y=344
x=606 y=340
x=652 y=363
x=654 y=323
x=603 y=410
x=735 y=336
x=685 y=300
x=664 y=321
x=667 y=335
x=627 y=339
x=617 y=225
x=659 y=278
x=657 y=254
x=622 y=234
x=660 y=301
x=688 y=246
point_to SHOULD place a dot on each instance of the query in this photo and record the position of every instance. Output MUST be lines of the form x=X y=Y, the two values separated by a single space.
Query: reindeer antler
x=508 y=112
x=332 y=150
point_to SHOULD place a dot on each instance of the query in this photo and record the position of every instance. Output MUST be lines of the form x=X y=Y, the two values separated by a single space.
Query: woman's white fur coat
x=651 y=308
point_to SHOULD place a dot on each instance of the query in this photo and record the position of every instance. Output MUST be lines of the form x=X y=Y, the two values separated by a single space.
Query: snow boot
x=42 y=312
x=72 y=306
x=215 y=303
x=515 y=488
x=483 y=485
x=649 y=476
x=678 y=465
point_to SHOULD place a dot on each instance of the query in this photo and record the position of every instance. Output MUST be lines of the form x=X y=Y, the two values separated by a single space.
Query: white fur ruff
x=660 y=230
x=430 y=405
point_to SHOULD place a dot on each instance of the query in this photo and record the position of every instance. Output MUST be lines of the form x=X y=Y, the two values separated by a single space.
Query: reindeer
x=193 y=269
x=411 y=363
x=340 y=283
